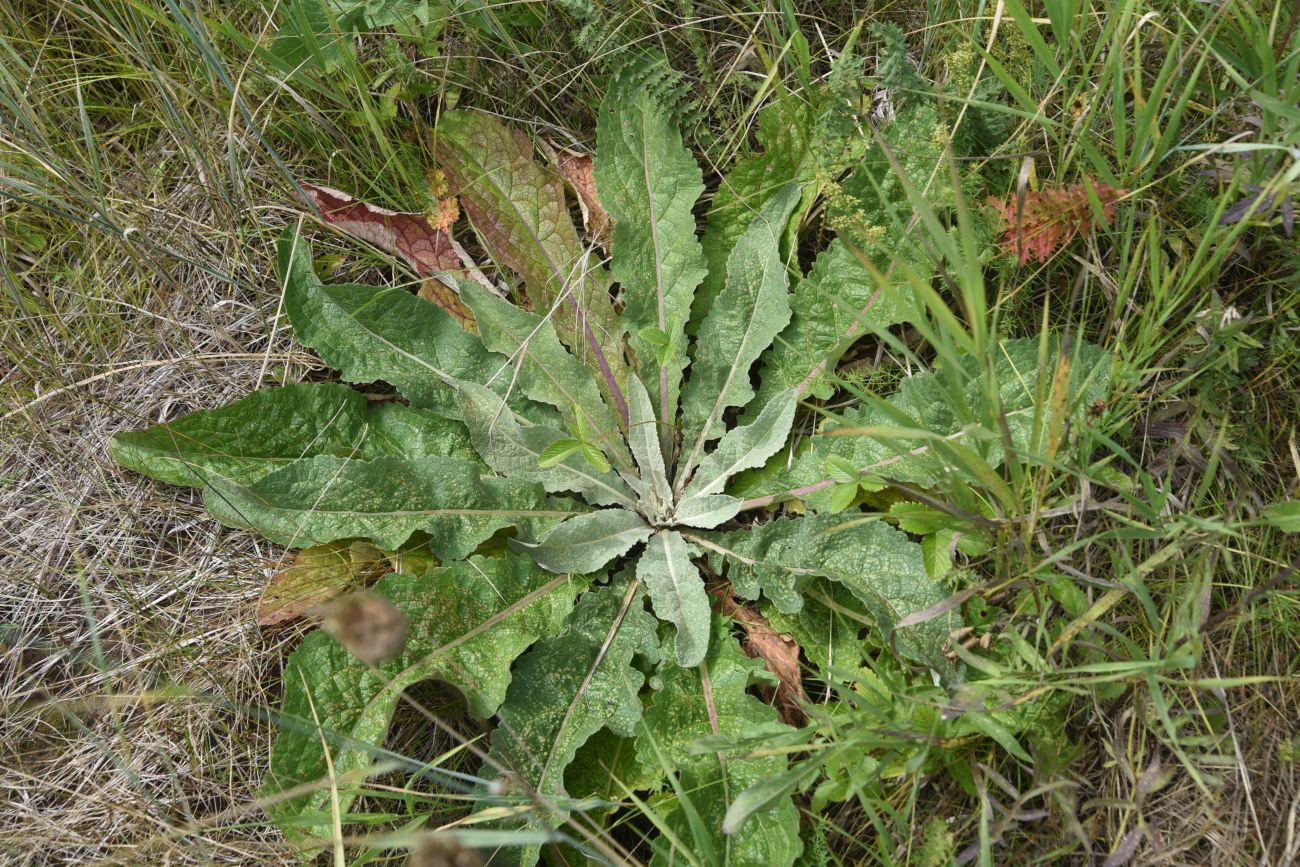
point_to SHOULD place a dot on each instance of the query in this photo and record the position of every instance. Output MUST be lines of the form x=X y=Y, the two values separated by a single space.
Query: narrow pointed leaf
x=649 y=182
x=587 y=542
x=333 y=700
x=751 y=311
x=643 y=437
x=385 y=500
x=743 y=448
x=708 y=511
x=517 y=452
x=676 y=590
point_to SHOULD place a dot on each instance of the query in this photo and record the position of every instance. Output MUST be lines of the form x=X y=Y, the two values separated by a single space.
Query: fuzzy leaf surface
x=676 y=591
x=385 y=500
x=649 y=182
x=643 y=437
x=568 y=688
x=743 y=448
x=751 y=310
x=466 y=628
x=587 y=542
x=679 y=715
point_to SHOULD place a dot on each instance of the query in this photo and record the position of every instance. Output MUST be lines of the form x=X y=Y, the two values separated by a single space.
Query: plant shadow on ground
x=1136 y=591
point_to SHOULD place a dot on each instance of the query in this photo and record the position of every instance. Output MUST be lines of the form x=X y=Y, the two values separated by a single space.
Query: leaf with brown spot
x=780 y=654
x=423 y=241
x=318 y=575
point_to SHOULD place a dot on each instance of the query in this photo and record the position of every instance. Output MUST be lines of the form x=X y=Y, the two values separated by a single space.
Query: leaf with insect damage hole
x=588 y=542
x=649 y=183
x=271 y=428
x=385 y=500
x=565 y=690
x=518 y=209
x=465 y=626
x=701 y=702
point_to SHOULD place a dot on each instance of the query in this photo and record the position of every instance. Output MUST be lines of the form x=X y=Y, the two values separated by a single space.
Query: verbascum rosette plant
x=583 y=468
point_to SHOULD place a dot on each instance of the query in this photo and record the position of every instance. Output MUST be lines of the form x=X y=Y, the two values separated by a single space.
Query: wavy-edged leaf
x=708 y=511
x=686 y=709
x=649 y=182
x=385 y=500
x=370 y=333
x=566 y=689
x=743 y=448
x=543 y=369
x=517 y=452
x=751 y=310
x=271 y=428
x=587 y=542
x=643 y=436
x=676 y=591
x=332 y=700
x=880 y=565
x=517 y=207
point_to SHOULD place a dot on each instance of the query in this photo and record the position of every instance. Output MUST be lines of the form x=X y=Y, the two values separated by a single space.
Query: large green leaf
x=687 y=708
x=372 y=333
x=568 y=688
x=676 y=590
x=245 y=440
x=518 y=209
x=334 y=701
x=385 y=500
x=751 y=310
x=515 y=451
x=541 y=366
x=649 y=182
x=880 y=565
x=587 y=542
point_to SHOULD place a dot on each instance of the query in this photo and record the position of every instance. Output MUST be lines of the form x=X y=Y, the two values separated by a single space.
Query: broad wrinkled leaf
x=371 y=333
x=880 y=565
x=385 y=500
x=750 y=312
x=681 y=713
x=271 y=428
x=566 y=689
x=332 y=698
x=517 y=207
x=676 y=590
x=318 y=575
x=542 y=368
x=585 y=543
x=743 y=448
x=649 y=182
x=423 y=241
x=517 y=452
x=643 y=437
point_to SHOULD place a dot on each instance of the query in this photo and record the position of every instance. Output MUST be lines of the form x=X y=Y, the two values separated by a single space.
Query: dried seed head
x=367 y=624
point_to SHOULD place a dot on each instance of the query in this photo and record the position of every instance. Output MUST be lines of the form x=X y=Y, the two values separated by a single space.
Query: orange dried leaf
x=579 y=171
x=1047 y=220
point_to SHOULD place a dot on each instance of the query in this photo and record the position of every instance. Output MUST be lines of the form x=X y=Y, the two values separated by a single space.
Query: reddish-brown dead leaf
x=423 y=241
x=579 y=171
x=780 y=653
x=318 y=575
x=1048 y=219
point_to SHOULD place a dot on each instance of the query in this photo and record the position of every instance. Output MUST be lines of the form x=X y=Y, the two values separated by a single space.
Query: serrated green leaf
x=841 y=469
x=372 y=333
x=649 y=182
x=518 y=210
x=595 y=457
x=331 y=698
x=587 y=542
x=516 y=451
x=743 y=448
x=751 y=310
x=568 y=688
x=676 y=591
x=541 y=366
x=685 y=710
x=385 y=500
x=881 y=567
x=557 y=452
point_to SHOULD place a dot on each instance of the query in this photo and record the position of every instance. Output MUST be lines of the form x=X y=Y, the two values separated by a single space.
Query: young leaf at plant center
x=321 y=499
x=316 y=576
x=743 y=448
x=751 y=310
x=649 y=183
x=643 y=437
x=568 y=688
x=334 y=701
x=586 y=543
x=681 y=712
x=676 y=591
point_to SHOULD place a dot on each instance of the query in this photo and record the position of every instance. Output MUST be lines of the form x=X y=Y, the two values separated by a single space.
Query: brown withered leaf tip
x=579 y=171
x=316 y=576
x=368 y=625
